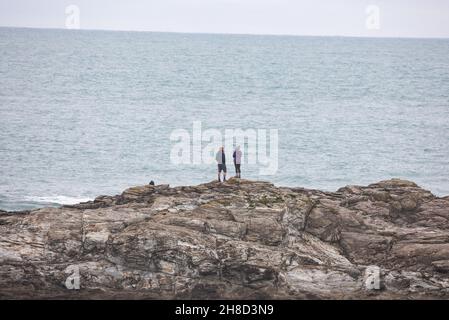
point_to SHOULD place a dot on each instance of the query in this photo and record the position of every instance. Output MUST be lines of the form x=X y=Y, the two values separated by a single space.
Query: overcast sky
x=397 y=18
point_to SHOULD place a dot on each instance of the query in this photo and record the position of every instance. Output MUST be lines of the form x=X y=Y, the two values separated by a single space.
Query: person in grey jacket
x=221 y=161
x=237 y=155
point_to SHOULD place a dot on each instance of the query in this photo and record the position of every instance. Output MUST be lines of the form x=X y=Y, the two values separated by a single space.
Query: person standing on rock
x=237 y=155
x=221 y=160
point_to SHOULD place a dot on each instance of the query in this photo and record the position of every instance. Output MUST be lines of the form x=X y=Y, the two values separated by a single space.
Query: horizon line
x=231 y=33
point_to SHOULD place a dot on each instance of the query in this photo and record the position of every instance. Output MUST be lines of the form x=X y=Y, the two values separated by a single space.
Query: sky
x=371 y=18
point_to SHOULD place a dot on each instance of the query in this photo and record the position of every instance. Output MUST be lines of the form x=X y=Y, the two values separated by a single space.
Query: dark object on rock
x=151 y=183
x=239 y=240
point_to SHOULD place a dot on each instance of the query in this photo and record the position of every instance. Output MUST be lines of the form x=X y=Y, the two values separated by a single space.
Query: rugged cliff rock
x=239 y=239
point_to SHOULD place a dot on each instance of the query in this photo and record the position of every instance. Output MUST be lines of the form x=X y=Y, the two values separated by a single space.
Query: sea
x=88 y=113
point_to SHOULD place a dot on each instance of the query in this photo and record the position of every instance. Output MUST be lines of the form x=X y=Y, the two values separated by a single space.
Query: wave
x=59 y=199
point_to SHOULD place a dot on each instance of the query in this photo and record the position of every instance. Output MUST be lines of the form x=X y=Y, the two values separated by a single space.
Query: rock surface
x=240 y=239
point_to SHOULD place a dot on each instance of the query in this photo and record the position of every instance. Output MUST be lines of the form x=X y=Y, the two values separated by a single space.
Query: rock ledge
x=237 y=240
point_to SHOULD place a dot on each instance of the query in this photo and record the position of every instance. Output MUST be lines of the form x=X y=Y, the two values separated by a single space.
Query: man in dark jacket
x=221 y=161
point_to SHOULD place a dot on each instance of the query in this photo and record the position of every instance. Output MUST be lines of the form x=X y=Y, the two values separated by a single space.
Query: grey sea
x=86 y=113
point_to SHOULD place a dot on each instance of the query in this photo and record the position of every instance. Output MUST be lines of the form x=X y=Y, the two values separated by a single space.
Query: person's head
x=221 y=148
x=238 y=148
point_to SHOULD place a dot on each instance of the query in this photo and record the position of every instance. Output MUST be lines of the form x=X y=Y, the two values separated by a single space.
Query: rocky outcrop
x=240 y=239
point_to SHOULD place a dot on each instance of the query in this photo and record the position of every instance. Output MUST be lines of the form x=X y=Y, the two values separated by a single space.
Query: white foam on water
x=59 y=199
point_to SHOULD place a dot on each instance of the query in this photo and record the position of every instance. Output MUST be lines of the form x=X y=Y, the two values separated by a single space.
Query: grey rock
x=240 y=239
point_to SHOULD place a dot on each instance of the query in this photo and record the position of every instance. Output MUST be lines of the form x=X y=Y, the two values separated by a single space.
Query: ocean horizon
x=228 y=33
x=88 y=113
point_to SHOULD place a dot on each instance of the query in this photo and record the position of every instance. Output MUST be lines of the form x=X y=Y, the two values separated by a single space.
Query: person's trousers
x=237 y=167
